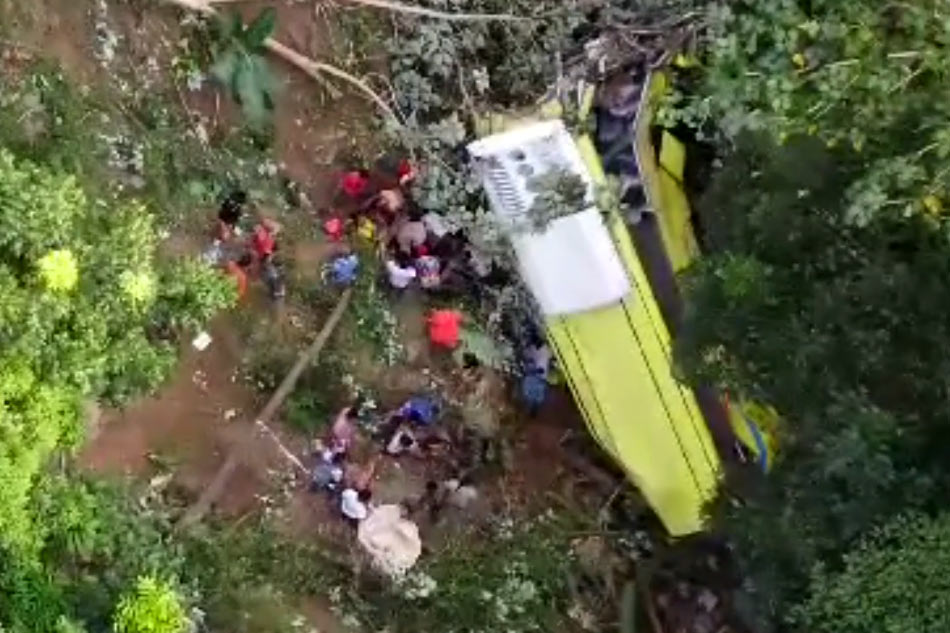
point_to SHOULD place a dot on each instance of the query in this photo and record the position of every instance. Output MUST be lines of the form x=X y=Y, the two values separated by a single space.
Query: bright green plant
x=152 y=607
x=58 y=271
x=189 y=294
x=896 y=580
x=240 y=66
x=69 y=327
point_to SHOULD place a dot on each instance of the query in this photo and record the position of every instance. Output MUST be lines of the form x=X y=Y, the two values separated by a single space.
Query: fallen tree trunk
x=214 y=490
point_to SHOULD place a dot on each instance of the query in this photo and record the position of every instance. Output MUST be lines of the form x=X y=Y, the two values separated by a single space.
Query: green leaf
x=224 y=67
x=260 y=29
x=234 y=26
x=248 y=93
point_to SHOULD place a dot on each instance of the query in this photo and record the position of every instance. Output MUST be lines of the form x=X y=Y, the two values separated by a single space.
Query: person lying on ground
x=403 y=442
x=328 y=473
x=420 y=410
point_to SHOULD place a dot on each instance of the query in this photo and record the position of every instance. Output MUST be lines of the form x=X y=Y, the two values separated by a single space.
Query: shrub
x=80 y=295
x=895 y=581
x=152 y=607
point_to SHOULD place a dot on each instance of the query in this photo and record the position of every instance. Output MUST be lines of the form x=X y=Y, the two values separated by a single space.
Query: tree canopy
x=88 y=312
x=825 y=289
x=896 y=580
x=862 y=74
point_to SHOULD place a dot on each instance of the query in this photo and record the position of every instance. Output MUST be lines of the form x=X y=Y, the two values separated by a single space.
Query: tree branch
x=307 y=357
x=400 y=7
x=316 y=70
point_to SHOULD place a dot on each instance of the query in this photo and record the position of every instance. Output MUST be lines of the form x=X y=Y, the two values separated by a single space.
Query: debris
x=159 y=482
x=202 y=341
x=392 y=541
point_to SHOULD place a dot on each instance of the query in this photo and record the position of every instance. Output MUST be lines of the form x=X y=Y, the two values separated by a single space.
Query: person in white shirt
x=355 y=504
x=401 y=272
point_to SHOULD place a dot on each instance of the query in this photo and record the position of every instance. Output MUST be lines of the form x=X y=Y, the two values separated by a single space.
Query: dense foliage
x=80 y=317
x=862 y=74
x=89 y=312
x=895 y=581
x=839 y=327
x=826 y=287
x=152 y=606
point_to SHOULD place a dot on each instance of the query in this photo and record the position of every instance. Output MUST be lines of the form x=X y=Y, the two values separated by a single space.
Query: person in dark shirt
x=230 y=212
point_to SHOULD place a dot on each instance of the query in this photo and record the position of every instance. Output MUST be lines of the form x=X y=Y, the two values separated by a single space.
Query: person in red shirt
x=444 y=326
x=355 y=184
x=264 y=239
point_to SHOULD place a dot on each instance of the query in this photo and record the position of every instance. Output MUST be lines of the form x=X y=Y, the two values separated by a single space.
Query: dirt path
x=190 y=425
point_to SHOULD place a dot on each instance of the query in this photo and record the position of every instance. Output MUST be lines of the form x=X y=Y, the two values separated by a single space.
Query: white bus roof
x=572 y=265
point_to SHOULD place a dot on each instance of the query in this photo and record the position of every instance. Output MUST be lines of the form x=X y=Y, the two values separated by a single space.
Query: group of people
x=409 y=431
x=418 y=247
x=242 y=253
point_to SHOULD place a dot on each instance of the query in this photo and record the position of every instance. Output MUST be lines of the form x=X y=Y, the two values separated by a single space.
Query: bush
x=895 y=581
x=80 y=298
x=152 y=607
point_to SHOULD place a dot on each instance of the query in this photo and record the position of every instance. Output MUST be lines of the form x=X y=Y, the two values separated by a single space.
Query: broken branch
x=401 y=7
x=214 y=490
x=316 y=70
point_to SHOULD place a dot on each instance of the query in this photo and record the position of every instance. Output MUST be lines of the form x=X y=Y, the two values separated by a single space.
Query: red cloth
x=444 y=327
x=263 y=242
x=334 y=229
x=354 y=184
x=405 y=171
